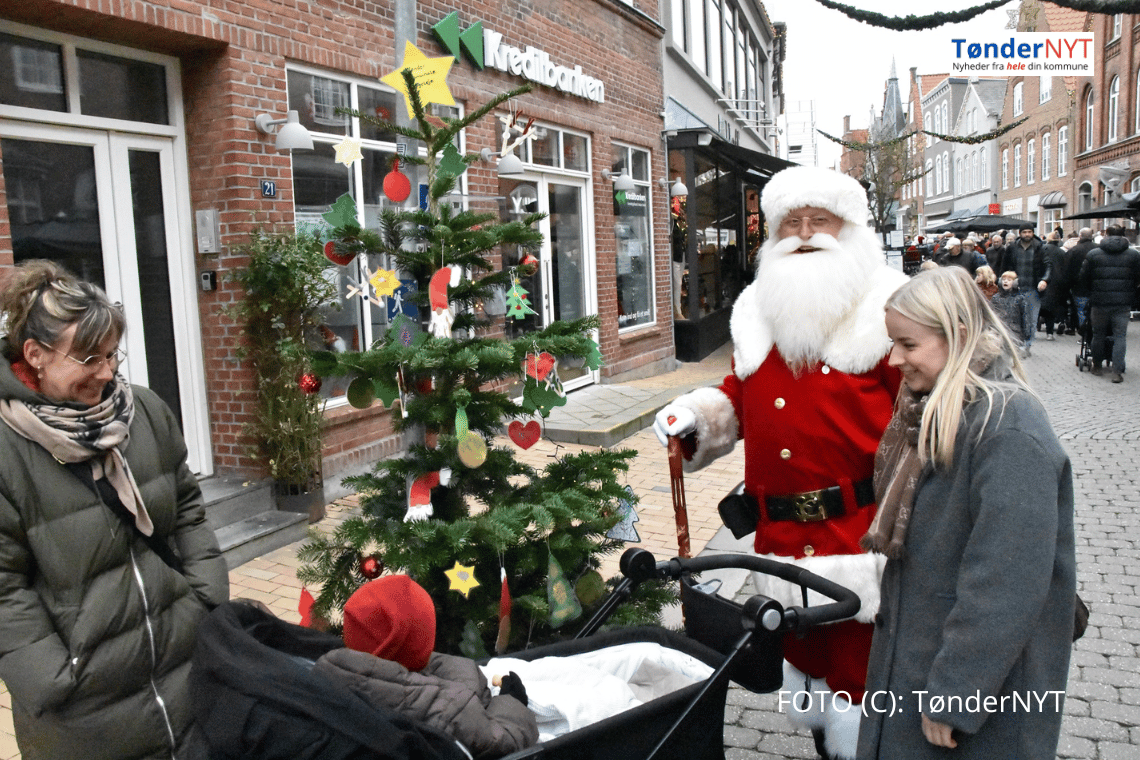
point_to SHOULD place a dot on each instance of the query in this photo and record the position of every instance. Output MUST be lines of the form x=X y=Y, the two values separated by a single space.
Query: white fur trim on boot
x=717 y=426
x=809 y=712
x=841 y=734
x=862 y=573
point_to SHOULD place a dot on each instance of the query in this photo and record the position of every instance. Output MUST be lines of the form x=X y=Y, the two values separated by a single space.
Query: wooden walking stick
x=677 y=486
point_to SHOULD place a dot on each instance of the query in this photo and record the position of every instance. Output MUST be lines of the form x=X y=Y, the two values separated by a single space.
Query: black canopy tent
x=1124 y=209
x=982 y=223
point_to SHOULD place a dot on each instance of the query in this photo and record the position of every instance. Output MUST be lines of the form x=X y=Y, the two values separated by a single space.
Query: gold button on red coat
x=779 y=403
x=785 y=454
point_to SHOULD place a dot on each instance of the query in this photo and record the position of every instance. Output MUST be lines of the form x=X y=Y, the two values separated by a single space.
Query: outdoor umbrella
x=1124 y=209
x=982 y=223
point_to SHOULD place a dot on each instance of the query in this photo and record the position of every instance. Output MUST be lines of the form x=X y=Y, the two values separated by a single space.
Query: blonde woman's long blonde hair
x=947 y=300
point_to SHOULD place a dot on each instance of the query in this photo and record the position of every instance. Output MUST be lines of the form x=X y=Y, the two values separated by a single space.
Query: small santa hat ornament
x=801 y=186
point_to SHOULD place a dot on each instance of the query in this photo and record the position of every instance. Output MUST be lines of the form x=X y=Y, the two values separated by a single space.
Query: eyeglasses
x=95 y=362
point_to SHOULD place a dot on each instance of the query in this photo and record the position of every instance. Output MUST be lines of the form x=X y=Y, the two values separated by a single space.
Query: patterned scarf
x=897 y=470
x=98 y=435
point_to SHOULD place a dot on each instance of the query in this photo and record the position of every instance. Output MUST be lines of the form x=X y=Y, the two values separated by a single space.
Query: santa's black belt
x=740 y=511
x=814 y=506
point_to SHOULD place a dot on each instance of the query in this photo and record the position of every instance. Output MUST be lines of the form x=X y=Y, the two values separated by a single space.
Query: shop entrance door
x=565 y=285
x=103 y=204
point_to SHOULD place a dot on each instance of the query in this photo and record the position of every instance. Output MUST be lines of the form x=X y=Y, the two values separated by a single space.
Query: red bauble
x=397 y=186
x=309 y=383
x=371 y=567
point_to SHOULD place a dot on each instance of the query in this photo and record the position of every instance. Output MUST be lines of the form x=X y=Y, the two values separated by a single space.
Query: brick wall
x=233 y=57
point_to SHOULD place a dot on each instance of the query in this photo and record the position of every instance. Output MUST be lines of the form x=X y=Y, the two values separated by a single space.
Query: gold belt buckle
x=809 y=506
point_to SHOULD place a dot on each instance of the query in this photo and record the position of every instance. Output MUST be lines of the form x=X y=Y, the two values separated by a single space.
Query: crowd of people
x=1084 y=283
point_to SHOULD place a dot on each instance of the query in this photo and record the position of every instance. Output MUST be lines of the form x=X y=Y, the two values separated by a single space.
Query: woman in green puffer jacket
x=106 y=561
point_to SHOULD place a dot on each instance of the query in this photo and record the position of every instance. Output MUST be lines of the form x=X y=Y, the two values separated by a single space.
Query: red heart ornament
x=526 y=435
x=340 y=258
x=539 y=366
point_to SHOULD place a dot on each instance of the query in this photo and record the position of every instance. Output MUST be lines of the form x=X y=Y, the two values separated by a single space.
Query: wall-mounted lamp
x=704 y=138
x=623 y=182
x=510 y=165
x=291 y=136
x=677 y=190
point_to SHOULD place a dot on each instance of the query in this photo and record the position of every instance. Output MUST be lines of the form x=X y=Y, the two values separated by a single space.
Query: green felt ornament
x=342 y=212
x=564 y=605
x=541 y=397
x=594 y=358
x=451 y=162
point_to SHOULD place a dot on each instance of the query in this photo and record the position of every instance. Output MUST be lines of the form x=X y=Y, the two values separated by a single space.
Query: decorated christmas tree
x=509 y=554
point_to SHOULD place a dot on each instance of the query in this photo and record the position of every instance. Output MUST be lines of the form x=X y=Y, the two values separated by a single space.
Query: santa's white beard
x=804 y=296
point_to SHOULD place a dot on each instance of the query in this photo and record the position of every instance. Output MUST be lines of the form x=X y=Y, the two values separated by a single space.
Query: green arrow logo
x=469 y=40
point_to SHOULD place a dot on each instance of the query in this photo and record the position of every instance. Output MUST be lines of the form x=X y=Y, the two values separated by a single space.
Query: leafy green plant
x=285 y=287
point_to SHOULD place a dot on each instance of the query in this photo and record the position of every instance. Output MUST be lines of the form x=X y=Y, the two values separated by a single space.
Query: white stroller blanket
x=567 y=693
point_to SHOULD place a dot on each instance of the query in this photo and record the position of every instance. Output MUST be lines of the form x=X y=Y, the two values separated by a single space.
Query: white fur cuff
x=862 y=573
x=717 y=426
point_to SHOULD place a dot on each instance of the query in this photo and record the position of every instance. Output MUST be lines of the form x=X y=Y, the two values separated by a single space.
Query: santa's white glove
x=674 y=420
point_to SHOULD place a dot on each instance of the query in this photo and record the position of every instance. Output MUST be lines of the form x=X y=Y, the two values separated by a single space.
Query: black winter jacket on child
x=1013 y=308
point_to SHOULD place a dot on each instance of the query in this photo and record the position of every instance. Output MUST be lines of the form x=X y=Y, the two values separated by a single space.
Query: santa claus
x=810 y=394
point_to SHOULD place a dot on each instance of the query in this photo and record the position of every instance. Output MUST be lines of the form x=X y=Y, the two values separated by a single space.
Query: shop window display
x=632 y=224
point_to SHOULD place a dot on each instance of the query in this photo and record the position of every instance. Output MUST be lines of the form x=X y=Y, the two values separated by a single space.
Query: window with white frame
x=714 y=40
x=1117 y=24
x=698 y=53
x=1018 y=98
x=1017 y=165
x=1136 y=125
x=318 y=180
x=678 y=24
x=1113 y=108
x=958 y=174
x=1062 y=151
x=938 y=120
x=633 y=225
x=946 y=171
x=929 y=139
x=938 y=175
x=1046 y=92
x=929 y=177
x=946 y=116
x=983 y=172
x=1046 y=147
x=975 y=178
x=1089 y=120
x=1030 y=161
x=1005 y=169
x=35 y=74
x=1084 y=197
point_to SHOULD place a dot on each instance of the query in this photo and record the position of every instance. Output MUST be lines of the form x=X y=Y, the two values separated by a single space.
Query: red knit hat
x=393 y=618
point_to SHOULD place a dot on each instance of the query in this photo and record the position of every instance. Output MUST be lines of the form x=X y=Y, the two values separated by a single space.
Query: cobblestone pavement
x=1099 y=425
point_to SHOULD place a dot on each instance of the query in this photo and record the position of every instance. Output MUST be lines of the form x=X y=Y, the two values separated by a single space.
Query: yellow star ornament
x=430 y=75
x=462 y=578
x=348 y=150
x=385 y=282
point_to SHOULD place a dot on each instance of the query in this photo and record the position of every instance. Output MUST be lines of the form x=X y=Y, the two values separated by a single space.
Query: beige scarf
x=98 y=435
x=897 y=470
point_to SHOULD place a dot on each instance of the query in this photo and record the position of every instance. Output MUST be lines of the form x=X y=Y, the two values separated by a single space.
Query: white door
x=104 y=205
x=564 y=287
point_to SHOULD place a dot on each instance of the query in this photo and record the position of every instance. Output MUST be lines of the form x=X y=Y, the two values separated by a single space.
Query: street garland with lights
x=975 y=139
x=971 y=140
x=914 y=23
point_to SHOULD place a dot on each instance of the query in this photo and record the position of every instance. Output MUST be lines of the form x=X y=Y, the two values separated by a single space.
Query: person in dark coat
x=1010 y=305
x=107 y=564
x=1111 y=273
x=971 y=651
x=963 y=253
x=1078 y=293
x=995 y=251
x=1024 y=256
x=1052 y=298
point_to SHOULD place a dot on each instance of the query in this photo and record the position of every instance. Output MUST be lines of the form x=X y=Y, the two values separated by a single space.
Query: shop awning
x=760 y=165
x=1055 y=198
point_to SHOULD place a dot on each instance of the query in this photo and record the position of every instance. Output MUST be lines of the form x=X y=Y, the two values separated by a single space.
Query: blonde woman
x=976 y=519
x=987 y=281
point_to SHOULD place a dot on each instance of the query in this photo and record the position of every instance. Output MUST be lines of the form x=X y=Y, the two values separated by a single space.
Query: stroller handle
x=639 y=565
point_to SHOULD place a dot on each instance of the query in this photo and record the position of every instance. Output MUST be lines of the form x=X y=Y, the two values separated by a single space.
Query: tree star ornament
x=384 y=282
x=348 y=151
x=462 y=578
x=430 y=75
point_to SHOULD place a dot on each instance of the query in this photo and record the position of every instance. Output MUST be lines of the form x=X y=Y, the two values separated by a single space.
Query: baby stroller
x=257 y=697
x=1084 y=355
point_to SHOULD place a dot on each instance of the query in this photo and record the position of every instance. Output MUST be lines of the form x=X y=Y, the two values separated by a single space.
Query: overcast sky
x=843 y=65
